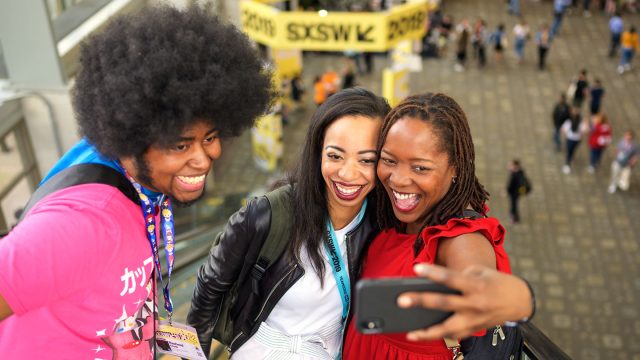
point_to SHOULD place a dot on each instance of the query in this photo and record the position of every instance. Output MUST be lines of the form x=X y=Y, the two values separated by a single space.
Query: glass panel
x=3 y=65
x=14 y=202
x=10 y=163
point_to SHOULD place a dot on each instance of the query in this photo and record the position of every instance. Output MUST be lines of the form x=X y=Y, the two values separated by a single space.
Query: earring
x=453 y=179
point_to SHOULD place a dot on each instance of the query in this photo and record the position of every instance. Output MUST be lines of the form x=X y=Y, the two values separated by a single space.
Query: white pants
x=620 y=176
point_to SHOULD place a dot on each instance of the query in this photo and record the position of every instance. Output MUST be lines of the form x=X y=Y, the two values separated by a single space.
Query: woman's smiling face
x=348 y=161
x=414 y=170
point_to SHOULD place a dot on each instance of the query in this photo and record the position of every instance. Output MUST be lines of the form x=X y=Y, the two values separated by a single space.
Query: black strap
x=83 y=174
x=469 y=214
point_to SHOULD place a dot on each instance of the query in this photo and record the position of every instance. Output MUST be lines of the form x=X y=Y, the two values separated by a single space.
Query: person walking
x=499 y=41
x=616 y=26
x=543 y=40
x=478 y=39
x=599 y=139
x=517 y=186
x=629 y=44
x=572 y=130
x=444 y=33
x=463 y=33
x=331 y=81
x=367 y=56
x=581 y=90
x=561 y=112
x=319 y=91
x=297 y=90
x=514 y=7
x=596 y=95
x=559 y=8
x=626 y=158
x=348 y=74
x=521 y=35
x=77 y=275
x=586 y=4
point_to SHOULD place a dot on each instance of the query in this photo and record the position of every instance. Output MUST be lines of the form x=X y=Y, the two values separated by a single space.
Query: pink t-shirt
x=78 y=274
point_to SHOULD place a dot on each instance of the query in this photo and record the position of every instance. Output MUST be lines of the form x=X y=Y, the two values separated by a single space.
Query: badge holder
x=179 y=340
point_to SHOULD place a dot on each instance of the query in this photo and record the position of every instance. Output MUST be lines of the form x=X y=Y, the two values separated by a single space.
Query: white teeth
x=192 y=179
x=401 y=196
x=348 y=191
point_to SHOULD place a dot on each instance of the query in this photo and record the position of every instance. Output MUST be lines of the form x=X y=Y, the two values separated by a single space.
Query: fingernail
x=404 y=301
x=420 y=269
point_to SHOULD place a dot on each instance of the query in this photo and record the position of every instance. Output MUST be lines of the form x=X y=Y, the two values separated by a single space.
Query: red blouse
x=391 y=255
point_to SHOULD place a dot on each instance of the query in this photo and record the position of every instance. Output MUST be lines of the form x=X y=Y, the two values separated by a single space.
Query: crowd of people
x=443 y=33
x=573 y=124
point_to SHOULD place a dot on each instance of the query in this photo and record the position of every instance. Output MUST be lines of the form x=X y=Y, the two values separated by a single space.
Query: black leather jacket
x=239 y=245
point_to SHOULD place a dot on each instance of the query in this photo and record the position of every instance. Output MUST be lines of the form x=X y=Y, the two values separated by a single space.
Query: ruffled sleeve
x=489 y=227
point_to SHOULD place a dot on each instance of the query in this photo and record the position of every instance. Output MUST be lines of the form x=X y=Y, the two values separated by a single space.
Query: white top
x=306 y=308
x=520 y=31
x=572 y=135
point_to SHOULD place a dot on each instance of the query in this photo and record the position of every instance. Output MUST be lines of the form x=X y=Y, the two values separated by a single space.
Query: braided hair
x=452 y=129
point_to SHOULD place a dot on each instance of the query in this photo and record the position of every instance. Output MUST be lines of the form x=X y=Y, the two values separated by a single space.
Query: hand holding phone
x=377 y=311
x=490 y=298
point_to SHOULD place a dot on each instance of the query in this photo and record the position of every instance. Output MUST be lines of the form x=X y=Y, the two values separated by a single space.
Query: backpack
x=499 y=343
x=525 y=185
x=80 y=174
x=273 y=246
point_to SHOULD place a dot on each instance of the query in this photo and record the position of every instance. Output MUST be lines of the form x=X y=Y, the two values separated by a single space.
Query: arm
x=478 y=306
x=489 y=298
x=633 y=160
x=5 y=310
x=462 y=251
x=221 y=269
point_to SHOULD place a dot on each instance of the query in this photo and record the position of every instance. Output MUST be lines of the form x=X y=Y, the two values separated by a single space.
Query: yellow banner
x=335 y=31
x=259 y=21
x=406 y=22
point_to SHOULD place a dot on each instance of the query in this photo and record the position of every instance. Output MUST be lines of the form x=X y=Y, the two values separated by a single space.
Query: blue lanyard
x=166 y=222
x=340 y=272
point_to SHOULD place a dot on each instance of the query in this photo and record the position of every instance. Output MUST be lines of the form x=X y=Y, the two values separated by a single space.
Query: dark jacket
x=516 y=180
x=235 y=255
x=560 y=114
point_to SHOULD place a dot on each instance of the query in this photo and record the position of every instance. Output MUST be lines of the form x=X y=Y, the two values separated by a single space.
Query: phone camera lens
x=371 y=326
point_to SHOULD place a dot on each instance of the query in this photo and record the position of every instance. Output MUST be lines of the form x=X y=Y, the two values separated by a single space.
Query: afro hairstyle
x=150 y=75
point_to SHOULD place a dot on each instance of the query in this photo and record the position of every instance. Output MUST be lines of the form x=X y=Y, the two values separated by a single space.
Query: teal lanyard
x=340 y=272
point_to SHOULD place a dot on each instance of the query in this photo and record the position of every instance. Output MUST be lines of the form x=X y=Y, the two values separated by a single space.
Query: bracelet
x=526 y=319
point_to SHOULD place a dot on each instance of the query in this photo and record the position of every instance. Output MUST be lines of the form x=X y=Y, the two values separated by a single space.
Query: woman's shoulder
x=490 y=227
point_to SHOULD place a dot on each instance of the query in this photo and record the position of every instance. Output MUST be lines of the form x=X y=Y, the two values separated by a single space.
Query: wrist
x=531 y=309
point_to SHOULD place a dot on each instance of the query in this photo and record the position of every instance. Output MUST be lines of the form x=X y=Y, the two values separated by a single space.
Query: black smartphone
x=377 y=311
